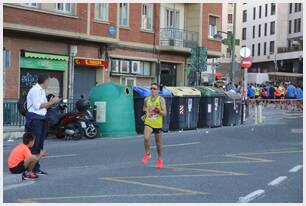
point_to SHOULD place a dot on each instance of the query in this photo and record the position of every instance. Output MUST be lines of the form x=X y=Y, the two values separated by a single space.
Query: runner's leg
x=158 y=144
x=147 y=136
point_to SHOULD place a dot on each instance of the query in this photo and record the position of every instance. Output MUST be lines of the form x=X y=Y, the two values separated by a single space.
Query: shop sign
x=91 y=62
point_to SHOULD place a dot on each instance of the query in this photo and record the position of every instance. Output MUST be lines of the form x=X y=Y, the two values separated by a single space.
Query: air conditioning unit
x=136 y=67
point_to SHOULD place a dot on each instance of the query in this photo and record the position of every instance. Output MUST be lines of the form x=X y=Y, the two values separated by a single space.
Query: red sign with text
x=91 y=62
x=246 y=62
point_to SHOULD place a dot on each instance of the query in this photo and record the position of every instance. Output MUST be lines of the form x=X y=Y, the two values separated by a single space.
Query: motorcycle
x=91 y=128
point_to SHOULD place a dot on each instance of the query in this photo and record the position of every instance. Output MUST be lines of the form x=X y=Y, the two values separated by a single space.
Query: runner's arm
x=163 y=106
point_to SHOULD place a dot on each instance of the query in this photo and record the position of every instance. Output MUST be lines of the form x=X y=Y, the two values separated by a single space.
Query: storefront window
x=146 y=69
x=124 y=66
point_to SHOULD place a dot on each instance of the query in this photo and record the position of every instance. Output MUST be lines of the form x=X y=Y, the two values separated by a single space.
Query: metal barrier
x=286 y=104
x=11 y=116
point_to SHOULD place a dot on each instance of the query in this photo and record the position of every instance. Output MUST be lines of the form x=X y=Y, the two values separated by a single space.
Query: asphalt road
x=207 y=165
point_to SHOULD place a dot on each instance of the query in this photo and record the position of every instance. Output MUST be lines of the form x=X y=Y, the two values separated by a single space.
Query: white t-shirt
x=36 y=97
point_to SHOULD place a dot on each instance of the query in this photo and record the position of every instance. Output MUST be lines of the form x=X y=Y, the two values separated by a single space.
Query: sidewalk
x=12 y=132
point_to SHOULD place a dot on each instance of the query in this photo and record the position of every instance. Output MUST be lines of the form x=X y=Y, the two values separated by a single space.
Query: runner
x=154 y=109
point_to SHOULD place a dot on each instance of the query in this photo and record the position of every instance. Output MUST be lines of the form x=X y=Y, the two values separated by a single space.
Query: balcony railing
x=289 y=49
x=178 y=38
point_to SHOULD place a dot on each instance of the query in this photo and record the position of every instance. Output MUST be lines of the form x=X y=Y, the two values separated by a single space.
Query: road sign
x=246 y=62
x=245 y=52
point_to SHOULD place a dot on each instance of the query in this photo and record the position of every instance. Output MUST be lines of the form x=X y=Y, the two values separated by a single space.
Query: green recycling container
x=114 y=107
x=210 y=107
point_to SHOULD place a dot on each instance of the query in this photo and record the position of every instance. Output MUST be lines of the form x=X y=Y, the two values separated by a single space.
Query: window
x=146 y=68
x=101 y=12
x=230 y=18
x=265 y=48
x=228 y=52
x=259 y=11
x=253 y=32
x=271 y=47
x=290 y=8
x=266 y=28
x=272 y=8
x=259 y=30
x=172 y=20
x=272 y=28
x=258 y=49
x=244 y=34
x=147 y=17
x=115 y=65
x=266 y=10
x=253 y=49
x=124 y=66
x=244 y=16
x=296 y=7
x=295 y=25
x=299 y=6
x=34 y=5
x=63 y=7
x=254 y=13
x=290 y=25
x=299 y=25
x=124 y=14
x=212 y=30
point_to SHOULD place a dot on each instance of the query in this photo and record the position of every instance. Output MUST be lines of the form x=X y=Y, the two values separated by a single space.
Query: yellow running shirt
x=153 y=119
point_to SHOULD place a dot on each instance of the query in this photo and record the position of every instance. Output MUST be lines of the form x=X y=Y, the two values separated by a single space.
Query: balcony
x=289 y=49
x=172 y=37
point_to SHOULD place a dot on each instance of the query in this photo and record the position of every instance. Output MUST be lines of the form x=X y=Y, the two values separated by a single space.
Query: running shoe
x=29 y=176
x=159 y=164
x=40 y=172
x=146 y=158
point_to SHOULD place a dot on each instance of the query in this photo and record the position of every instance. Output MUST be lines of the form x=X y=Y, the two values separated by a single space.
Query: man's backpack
x=22 y=104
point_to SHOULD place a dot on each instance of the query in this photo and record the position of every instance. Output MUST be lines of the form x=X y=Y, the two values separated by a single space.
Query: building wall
x=215 y=9
x=15 y=44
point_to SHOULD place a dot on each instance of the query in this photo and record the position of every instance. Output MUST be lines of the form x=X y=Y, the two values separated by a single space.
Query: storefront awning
x=46 y=56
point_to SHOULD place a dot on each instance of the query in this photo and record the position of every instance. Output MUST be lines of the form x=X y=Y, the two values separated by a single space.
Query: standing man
x=37 y=106
x=154 y=109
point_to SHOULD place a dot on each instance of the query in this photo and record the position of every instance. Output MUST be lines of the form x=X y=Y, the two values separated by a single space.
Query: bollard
x=256 y=114
x=259 y=113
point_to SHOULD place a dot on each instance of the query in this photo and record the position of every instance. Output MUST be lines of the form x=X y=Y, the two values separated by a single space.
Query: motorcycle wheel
x=60 y=134
x=92 y=131
x=78 y=132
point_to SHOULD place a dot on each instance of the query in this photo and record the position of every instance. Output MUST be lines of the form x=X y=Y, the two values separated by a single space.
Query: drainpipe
x=233 y=48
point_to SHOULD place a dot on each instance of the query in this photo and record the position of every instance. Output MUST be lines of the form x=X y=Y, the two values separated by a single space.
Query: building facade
x=274 y=33
x=224 y=66
x=142 y=43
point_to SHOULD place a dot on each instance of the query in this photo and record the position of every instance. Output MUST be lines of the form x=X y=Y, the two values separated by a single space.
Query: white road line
x=176 y=145
x=277 y=181
x=296 y=168
x=251 y=196
x=14 y=186
x=297 y=130
x=57 y=156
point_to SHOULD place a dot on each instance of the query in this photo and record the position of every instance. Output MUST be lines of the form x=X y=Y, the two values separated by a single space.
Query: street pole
x=213 y=71
x=233 y=47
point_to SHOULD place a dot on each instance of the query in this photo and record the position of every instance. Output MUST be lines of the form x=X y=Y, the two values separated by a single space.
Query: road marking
x=277 y=181
x=295 y=117
x=31 y=200
x=277 y=152
x=205 y=170
x=251 y=196
x=296 y=168
x=58 y=156
x=14 y=186
x=155 y=186
x=297 y=130
x=176 y=145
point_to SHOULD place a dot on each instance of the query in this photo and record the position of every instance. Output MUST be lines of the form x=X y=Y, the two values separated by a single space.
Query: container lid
x=144 y=91
x=184 y=91
x=210 y=91
x=232 y=96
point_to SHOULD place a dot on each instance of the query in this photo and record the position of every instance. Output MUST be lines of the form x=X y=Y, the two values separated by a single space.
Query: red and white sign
x=246 y=62
x=181 y=109
x=91 y=62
